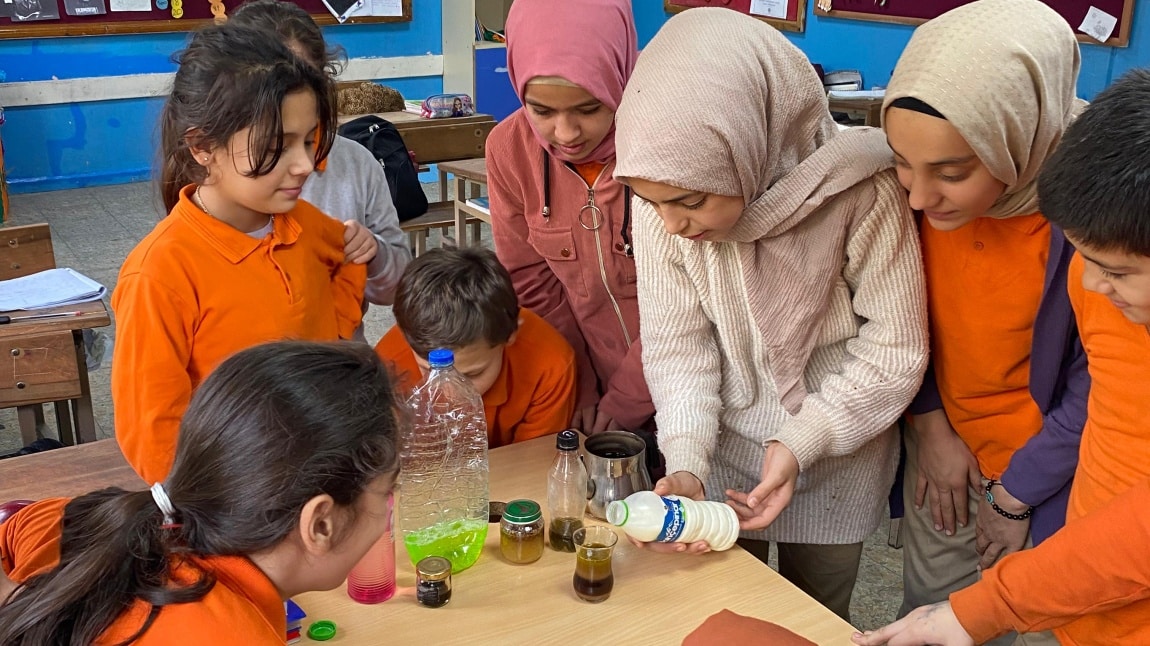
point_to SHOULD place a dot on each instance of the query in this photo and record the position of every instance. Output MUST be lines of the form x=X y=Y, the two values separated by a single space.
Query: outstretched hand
x=760 y=507
x=933 y=625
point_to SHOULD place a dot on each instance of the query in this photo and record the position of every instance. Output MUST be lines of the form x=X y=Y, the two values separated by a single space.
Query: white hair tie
x=164 y=503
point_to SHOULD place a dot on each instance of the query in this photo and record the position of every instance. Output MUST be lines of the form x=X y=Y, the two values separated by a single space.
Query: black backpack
x=383 y=141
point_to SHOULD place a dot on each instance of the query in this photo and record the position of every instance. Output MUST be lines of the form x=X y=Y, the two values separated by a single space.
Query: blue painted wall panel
x=493 y=92
x=66 y=146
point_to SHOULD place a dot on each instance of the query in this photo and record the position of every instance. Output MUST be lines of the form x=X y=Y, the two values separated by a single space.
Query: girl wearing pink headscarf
x=561 y=223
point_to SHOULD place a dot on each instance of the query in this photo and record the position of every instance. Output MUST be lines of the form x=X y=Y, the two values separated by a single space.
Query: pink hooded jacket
x=580 y=280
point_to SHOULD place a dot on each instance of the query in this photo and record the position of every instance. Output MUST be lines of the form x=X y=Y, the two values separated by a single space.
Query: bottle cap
x=567 y=440
x=522 y=511
x=441 y=358
x=321 y=630
x=433 y=568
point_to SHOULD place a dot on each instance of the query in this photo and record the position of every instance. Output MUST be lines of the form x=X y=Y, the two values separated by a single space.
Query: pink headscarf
x=591 y=43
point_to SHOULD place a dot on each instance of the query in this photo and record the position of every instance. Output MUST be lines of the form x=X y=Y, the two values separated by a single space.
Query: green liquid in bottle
x=459 y=541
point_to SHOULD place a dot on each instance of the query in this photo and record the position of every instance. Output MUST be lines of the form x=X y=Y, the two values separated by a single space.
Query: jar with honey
x=521 y=532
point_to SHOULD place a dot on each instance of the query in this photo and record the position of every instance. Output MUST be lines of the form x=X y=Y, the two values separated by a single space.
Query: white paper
x=48 y=289
x=769 y=8
x=1098 y=24
x=130 y=5
x=856 y=94
x=386 y=7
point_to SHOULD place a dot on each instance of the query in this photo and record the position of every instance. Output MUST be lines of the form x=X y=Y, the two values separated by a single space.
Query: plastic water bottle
x=646 y=516
x=372 y=580
x=566 y=492
x=443 y=468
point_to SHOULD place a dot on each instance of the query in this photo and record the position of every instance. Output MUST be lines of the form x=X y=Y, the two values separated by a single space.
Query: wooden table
x=871 y=109
x=470 y=176
x=658 y=598
x=44 y=361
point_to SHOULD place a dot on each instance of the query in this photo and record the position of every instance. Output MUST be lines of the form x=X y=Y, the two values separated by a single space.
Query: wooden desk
x=658 y=598
x=44 y=361
x=470 y=176
x=871 y=109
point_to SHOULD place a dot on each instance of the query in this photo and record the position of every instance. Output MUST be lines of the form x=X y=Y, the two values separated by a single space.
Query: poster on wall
x=6 y=8
x=30 y=10
x=84 y=7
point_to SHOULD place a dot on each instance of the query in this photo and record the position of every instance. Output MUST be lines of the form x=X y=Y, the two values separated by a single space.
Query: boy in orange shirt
x=1091 y=581
x=463 y=299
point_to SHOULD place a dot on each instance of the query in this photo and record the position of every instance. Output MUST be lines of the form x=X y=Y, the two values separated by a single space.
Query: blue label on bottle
x=673 y=521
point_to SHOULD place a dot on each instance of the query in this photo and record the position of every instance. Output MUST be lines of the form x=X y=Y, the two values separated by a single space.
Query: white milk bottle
x=646 y=516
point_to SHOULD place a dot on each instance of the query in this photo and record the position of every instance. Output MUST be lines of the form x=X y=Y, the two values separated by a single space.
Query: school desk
x=470 y=176
x=871 y=109
x=42 y=360
x=658 y=598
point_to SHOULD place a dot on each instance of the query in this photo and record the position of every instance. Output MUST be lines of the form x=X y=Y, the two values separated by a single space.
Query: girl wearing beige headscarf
x=978 y=102
x=780 y=292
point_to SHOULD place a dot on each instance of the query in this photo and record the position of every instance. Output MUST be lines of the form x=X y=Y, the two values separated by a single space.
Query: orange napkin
x=726 y=627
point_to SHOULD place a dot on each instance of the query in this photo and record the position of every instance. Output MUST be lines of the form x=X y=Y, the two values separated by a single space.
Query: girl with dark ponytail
x=282 y=481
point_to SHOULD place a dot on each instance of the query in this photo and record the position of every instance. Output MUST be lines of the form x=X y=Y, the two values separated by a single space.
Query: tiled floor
x=93 y=230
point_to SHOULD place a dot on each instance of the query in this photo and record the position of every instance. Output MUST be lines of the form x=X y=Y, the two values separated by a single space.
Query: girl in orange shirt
x=240 y=260
x=281 y=483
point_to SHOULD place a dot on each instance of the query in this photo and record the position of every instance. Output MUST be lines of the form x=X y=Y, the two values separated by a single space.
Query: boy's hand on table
x=934 y=624
x=763 y=505
x=685 y=485
x=359 y=245
x=946 y=470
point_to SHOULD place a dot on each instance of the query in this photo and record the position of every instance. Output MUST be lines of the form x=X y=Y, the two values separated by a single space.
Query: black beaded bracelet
x=1002 y=512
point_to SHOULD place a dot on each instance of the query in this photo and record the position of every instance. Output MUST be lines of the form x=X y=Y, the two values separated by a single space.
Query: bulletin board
x=916 y=12
x=795 y=20
x=196 y=13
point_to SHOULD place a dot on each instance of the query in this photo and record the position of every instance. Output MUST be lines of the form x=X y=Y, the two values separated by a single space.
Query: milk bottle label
x=673 y=521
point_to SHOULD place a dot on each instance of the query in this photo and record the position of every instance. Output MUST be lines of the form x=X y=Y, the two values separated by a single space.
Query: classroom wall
x=107 y=142
x=873 y=48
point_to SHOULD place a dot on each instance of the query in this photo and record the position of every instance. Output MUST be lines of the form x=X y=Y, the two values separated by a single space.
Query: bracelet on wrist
x=1002 y=512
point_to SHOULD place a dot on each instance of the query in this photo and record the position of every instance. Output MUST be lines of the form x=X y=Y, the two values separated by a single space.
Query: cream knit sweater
x=706 y=366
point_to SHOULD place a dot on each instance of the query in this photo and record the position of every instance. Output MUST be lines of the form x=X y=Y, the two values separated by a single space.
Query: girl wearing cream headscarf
x=780 y=293
x=978 y=102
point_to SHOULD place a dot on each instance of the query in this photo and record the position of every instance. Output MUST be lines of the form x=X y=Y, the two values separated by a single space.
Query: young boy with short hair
x=1091 y=581
x=463 y=299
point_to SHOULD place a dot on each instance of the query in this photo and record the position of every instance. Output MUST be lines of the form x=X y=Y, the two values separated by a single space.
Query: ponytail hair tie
x=165 y=505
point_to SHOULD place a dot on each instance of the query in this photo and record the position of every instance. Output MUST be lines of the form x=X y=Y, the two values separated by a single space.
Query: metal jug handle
x=590 y=481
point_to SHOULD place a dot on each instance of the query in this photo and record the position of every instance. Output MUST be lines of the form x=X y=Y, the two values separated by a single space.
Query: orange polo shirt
x=1090 y=581
x=1102 y=549
x=243 y=607
x=534 y=394
x=984 y=285
x=196 y=290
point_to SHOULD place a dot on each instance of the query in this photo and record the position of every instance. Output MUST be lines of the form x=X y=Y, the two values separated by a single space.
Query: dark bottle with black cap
x=566 y=492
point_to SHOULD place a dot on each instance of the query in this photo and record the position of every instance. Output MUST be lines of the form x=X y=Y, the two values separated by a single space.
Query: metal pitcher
x=616 y=463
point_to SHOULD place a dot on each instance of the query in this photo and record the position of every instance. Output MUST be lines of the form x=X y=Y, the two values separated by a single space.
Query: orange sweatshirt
x=243 y=607
x=534 y=394
x=984 y=285
x=196 y=290
x=1090 y=581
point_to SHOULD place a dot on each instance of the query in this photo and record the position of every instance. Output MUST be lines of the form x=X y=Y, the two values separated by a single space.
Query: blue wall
x=106 y=142
x=51 y=147
x=873 y=47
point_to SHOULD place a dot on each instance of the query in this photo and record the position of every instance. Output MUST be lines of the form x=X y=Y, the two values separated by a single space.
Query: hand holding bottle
x=687 y=485
x=764 y=503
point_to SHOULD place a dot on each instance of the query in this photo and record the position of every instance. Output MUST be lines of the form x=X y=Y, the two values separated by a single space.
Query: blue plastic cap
x=441 y=358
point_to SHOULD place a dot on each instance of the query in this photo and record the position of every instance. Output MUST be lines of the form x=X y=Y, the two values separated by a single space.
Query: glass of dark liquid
x=593 y=579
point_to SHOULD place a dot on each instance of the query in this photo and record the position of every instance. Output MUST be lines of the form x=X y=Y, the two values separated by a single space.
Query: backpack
x=384 y=143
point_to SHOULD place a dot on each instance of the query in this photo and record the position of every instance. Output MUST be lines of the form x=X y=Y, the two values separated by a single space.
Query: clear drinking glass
x=593 y=578
x=372 y=580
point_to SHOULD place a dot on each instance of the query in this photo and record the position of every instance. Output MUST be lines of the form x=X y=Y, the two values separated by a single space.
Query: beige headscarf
x=1004 y=73
x=752 y=121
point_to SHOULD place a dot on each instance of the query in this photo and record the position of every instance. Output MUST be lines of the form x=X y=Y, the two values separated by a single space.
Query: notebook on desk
x=480 y=203
x=48 y=289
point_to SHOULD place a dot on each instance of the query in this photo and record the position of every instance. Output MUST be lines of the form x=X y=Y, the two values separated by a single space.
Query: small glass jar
x=433 y=582
x=521 y=532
